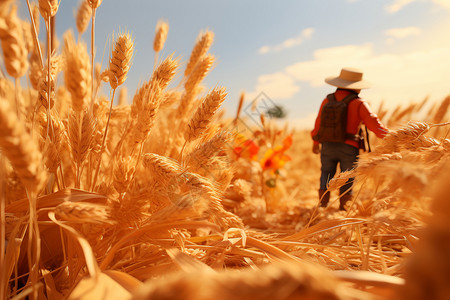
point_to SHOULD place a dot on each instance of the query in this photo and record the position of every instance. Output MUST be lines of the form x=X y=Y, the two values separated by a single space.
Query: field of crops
x=162 y=197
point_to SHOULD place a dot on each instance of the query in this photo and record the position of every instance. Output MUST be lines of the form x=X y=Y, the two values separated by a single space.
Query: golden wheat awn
x=161 y=198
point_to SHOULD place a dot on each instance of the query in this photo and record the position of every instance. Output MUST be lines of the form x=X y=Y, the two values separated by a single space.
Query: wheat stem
x=103 y=142
x=35 y=35
x=33 y=236
x=16 y=96
x=2 y=226
x=49 y=88
x=92 y=55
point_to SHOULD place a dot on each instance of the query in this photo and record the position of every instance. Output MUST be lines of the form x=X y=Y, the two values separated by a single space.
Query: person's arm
x=317 y=123
x=371 y=120
x=316 y=144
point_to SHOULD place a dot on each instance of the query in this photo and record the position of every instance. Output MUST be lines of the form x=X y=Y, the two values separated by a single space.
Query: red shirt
x=358 y=111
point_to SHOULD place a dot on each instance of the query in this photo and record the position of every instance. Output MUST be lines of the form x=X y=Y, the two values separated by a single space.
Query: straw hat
x=349 y=78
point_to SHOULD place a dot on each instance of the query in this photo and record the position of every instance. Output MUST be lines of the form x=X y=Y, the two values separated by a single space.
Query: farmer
x=337 y=130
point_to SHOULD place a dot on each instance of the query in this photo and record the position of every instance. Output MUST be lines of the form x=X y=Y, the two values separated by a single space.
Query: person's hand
x=316 y=148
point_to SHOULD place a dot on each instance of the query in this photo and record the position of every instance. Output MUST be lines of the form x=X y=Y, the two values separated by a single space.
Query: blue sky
x=286 y=48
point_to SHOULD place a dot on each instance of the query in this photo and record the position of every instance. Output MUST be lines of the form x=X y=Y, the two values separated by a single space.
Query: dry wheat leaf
x=102 y=287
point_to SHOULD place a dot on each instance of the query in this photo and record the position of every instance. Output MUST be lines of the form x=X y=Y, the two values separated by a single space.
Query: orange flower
x=246 y=148
x=275 y=159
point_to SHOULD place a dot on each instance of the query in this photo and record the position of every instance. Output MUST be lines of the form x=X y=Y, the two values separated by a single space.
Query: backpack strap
x=331 y=97
x=347 y=99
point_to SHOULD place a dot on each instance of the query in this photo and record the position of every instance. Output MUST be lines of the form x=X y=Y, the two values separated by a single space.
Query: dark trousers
x=333 y=154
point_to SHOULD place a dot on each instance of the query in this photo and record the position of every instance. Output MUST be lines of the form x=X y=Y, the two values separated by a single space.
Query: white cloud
x=396 y=78
x=400 y=33
x=443 y=3
x=279 y=86
x=291 y=42
x=397 y=5
x=327 y=62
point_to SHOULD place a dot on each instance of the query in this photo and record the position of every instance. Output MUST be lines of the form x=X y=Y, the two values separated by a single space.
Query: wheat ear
x=77 y=72
x=35 y=71
x=13 y=46
x=203 y=116
x=14 y=50
x=81 y=134
x=22 y=151
x=200 y=156
x=163 y=168
x=162 y=29
x=123 y=173
x=84 y=15
x=165 y=72
x=146 y=116
x=82 y=212
x=191 y=85
x=199 y=72
x=202 y=46
x=48 y=8
x=120 y=61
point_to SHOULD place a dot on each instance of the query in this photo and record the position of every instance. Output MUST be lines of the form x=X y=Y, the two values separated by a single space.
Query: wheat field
x=163 y=197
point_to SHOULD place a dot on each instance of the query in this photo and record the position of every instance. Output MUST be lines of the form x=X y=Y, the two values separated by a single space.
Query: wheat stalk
x=123 y=96
x=119 y=65
x=34 y=17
